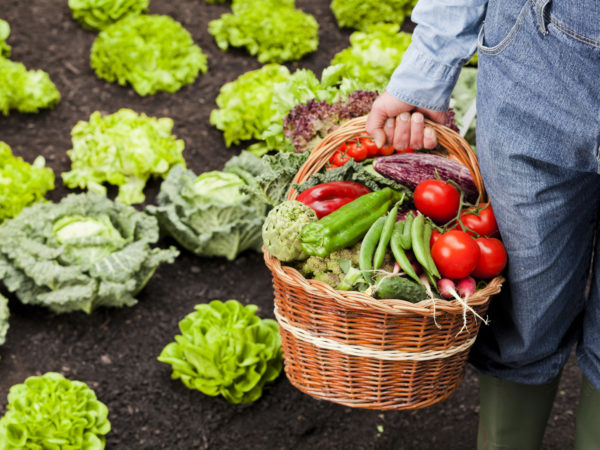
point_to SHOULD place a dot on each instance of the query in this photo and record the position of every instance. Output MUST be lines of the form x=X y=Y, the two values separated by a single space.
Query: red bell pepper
x=327 y=197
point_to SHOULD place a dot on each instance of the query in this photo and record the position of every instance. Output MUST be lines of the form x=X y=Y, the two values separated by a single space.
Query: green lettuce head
x=82 y=253
x=151 y=52
x=4 y=33
x=98 y=14
x=360 y=14
x=52 y=412
x=224 y=348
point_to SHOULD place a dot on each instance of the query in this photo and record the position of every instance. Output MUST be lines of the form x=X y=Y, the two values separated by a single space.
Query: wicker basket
x=348 y=348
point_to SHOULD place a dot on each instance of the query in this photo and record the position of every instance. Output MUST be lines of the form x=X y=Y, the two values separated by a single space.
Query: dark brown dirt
x=115 y=350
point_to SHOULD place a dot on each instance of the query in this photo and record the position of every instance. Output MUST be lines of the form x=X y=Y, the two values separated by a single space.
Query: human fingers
x=429 y=138
x=416 y=130
x=388 y=128
x=375 y=124
x=402 y=131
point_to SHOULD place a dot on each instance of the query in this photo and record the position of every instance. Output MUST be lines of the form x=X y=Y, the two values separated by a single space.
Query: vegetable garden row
x=142 y=165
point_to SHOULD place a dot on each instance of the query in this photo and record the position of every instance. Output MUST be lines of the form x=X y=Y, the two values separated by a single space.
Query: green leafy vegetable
x=373 y=55
x=98 y=14
x=82 y=253
x=272 y=30
x=124 y=149
x=4 y=33
x=52 y=412
x=4 y=313
x=209 y=214
x=226 y=349
x=151 y=52
x=463 y=102
x=26 y=91
x=359 y=14
x=21 y=183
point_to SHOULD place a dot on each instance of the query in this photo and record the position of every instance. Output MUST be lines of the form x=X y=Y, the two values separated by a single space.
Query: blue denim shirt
x=444 y=39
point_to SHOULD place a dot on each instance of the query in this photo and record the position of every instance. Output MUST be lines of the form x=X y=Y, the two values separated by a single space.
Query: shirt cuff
x=423 y=82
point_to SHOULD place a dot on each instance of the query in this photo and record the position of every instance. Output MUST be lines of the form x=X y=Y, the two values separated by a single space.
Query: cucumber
x=401 y=288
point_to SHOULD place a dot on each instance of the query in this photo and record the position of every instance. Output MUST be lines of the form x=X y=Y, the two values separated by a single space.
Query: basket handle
x=456 y=146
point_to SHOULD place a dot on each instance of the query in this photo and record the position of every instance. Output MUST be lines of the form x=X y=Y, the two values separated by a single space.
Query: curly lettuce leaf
x=98 y=14
x=225 y=349
x=359 y=14
x=151 y=52
x=86 y=266
x=373 y=55
x=209 y=214
x=273 y=31
x=31 y=419
x=26 y=91
x=124 y=149
x=21 y=183
x=4 y=33
x=4 y=313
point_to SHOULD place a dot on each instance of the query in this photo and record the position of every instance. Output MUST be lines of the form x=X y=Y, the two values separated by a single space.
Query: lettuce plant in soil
x=124 y=149
x=82 y=253
x=22 y=90
x=21 y=183
x=52 y=412
x=272 y=30
x=98 y=14
x=4 y=314
x=151 y=52
x=361 y=13
x=225 y=349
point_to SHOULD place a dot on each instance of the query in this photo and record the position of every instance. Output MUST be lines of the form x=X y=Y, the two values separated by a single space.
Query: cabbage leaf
x=124 y=149
x=151 y=52
x=98 y=14
x=272 y=30
x=53 y=412
x=79 y=254
x=225 y=349
x=21 y=183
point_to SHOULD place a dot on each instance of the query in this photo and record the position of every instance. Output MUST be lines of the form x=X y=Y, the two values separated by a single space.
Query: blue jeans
x=538 y=137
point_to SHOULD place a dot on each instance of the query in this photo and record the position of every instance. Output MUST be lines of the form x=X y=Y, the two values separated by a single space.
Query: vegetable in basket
x=225 y=349
x=327 y=197
x=282 y=228
x=348 y=224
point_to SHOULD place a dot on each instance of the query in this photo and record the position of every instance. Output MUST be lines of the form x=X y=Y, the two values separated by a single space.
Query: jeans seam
x=514 y=31
x=571 y=33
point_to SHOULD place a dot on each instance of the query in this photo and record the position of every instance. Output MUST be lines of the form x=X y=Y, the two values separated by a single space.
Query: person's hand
x=394 y=122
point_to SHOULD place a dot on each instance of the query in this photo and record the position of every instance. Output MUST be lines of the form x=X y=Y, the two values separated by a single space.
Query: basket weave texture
x=351 y=349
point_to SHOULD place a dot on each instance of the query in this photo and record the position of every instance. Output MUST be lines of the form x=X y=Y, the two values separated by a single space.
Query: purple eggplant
x=410 y=169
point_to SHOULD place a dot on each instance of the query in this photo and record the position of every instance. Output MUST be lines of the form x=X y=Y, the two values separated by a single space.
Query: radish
x=396 y=268
x=466 y=287
x=446 y=287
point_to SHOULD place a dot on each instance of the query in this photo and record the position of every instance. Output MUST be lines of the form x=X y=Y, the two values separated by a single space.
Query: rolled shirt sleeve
x=443 y=41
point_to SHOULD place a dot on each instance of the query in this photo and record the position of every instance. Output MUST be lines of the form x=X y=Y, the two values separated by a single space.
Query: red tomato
x=406 y=150
x=435 y=235
x=455 y=254
x=482 y=224
x=437 y=199
x=369 y=144
x=340 y=158
x=356 y=150
x=492 y=258
x=386 y=151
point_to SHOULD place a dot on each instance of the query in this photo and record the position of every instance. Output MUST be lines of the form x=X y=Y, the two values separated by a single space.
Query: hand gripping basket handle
x=447 y=138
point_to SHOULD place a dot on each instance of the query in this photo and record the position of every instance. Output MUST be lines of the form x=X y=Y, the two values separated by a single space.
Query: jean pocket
x=491 y=48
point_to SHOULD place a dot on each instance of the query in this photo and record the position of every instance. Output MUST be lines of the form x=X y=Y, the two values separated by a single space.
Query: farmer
x=538 y=136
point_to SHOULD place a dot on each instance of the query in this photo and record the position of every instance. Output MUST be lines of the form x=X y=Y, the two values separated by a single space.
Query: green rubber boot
x=587 y=422
x=513 y=416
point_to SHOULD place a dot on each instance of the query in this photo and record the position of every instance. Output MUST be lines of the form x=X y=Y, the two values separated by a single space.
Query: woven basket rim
x=359 y=300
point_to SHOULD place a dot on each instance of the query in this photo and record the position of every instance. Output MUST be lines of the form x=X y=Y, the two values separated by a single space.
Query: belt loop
x=540 y=7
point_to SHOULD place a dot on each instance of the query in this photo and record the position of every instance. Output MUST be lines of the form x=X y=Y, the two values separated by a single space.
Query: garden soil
x=115 y=350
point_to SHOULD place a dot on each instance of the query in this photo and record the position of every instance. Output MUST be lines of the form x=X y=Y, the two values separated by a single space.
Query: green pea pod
x=386 y=235
x=428 y=229
x=416 y=234
x=367 y=247
x=405 y=239
x=399 y=254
